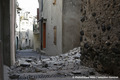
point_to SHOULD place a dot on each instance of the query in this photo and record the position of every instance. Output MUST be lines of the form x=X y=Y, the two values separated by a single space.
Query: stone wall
x=100 y=35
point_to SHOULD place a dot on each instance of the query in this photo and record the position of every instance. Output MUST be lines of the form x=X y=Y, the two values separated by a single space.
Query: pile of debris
x=70 y=60
x=64 y=64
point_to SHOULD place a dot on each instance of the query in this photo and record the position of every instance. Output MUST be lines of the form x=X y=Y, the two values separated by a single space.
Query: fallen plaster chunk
x=25 y=64
x=28 y=60
x=14 y=76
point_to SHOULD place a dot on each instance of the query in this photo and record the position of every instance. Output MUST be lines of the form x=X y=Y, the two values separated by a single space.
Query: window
x=26 y=41
x=54 y=2
x=55 y=31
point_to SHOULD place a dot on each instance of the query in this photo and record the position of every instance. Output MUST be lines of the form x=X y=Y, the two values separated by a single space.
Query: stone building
x=59 y=25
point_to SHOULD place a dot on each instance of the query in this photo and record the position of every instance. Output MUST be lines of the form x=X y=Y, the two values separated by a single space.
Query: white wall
x=26 y=30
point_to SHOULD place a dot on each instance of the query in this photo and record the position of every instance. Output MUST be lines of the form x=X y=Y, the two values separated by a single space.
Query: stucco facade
x=71 y=24
x=62 y=30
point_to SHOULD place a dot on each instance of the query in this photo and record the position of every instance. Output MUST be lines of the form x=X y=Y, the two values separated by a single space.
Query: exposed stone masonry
x=100 y=35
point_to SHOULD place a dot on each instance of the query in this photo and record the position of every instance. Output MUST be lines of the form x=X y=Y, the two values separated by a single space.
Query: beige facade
x=36 y=36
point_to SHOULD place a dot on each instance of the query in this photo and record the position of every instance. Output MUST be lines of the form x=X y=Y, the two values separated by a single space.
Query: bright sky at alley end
x=29 y=5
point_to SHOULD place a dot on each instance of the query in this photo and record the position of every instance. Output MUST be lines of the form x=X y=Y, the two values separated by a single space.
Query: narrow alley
x=32 y=66
x=59 y=39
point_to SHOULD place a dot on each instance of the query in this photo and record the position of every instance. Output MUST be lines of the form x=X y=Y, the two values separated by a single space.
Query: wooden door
x=44 y=35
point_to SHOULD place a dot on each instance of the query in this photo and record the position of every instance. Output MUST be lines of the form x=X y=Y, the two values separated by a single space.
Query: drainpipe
x=41 y=34
x=40 y=22
x=41 y=25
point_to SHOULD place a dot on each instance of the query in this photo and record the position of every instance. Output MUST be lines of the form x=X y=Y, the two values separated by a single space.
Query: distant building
x=24 y=30
x=59 y=26
x=17 y=29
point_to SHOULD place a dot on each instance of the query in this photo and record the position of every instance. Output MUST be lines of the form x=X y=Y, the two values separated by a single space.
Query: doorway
x=44 y=35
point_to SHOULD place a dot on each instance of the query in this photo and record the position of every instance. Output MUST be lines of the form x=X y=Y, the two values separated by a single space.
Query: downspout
x=41 y=25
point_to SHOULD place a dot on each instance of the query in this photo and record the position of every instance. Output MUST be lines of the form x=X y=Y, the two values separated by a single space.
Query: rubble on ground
x=67 y=64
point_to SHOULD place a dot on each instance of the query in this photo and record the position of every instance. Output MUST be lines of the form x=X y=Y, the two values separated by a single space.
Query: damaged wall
x=71 y=23
x=100 y=35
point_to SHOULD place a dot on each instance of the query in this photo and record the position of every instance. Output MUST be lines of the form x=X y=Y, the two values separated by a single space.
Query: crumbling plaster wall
x=71 y=24
x=100 y=35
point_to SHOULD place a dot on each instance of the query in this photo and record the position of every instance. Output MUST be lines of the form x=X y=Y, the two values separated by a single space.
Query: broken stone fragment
x=25 y=65
x=15 y=76
x=38 y=70
x=91 y=73
x=76 y=72
x=44 y=64
x=29 y=60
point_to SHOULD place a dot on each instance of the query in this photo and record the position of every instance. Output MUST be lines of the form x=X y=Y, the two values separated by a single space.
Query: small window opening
x=55 y=35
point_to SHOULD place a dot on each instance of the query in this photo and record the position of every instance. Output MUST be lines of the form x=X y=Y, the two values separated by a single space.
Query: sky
x=29 y=5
